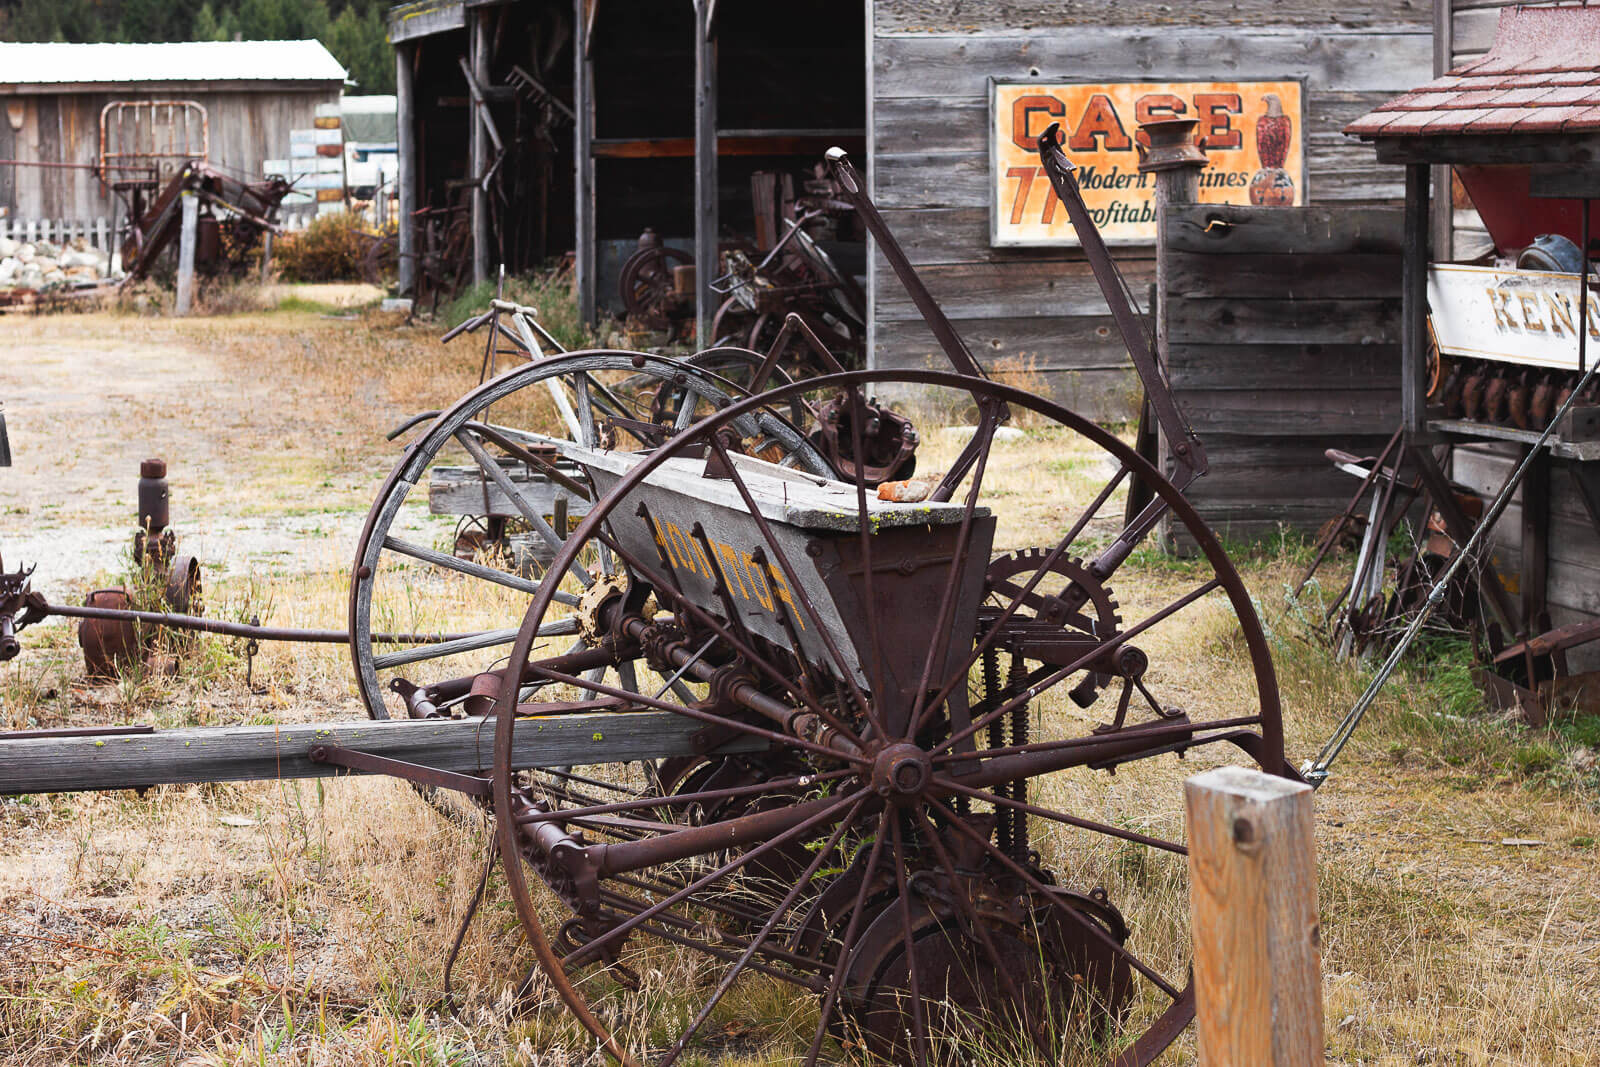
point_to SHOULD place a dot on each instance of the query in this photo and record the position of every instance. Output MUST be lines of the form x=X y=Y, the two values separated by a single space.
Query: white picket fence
x=97 y=232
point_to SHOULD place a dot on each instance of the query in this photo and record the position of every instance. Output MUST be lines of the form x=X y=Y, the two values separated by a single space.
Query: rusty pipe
x=239 y=629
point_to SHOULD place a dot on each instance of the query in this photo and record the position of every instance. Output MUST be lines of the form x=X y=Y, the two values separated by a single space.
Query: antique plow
x=886 y=745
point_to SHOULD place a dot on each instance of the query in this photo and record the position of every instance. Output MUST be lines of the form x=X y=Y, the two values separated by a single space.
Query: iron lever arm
x=1187 y=452
x=367 y=763
x=844 y=172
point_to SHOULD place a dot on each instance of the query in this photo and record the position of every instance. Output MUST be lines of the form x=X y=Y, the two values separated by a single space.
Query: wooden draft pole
x=1253 y=913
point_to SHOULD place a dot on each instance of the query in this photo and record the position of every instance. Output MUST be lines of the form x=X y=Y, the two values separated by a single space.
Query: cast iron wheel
x=408 y=578
x=646 y=283
x=964 y=883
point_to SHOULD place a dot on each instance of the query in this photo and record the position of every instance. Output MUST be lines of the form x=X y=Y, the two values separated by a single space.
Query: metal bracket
x=411 y=772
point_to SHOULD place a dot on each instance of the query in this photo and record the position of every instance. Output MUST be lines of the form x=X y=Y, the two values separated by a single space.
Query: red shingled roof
x=1542 y=75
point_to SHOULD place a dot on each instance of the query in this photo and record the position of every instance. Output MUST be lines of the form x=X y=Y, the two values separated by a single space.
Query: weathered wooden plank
x=1230 y=230
x=1313 y=366
x=244 y=753
x=1473 y=30
x=1374 y=60
x=1042 y=345
x=1289 y=409
x=1284 y=276
x=1010 y=289
x=1266 y=321
x=926 y=16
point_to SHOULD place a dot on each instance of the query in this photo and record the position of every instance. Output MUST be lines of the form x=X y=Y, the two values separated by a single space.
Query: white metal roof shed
x=47 y=67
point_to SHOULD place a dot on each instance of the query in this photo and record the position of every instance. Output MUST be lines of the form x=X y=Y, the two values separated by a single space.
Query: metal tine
x=1063 y=817
x=766 y=932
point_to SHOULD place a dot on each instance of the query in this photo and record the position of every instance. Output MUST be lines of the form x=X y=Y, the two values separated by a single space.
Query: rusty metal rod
x=239 y=629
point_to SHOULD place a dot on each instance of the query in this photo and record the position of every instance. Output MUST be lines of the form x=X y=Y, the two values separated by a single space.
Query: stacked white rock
x=29 y=265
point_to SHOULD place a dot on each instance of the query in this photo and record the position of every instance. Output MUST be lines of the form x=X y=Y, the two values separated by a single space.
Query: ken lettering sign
x=1252 y=133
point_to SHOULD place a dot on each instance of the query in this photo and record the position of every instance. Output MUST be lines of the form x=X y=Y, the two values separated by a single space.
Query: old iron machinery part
x=888 y=441
x=670 y=864
x=1500 y=393
x=1058 y=972
x=608 y=591
x=647 y=285
x=20 y=607
x=388 y=563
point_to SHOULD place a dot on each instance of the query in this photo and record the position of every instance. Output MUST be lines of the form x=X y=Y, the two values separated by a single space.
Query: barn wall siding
x=1038 y=310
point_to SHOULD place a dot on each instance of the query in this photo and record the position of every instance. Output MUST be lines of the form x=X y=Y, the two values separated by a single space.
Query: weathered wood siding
x=1283 y=328
x=246 y=129
x=1468 y=31
x=1038 y=309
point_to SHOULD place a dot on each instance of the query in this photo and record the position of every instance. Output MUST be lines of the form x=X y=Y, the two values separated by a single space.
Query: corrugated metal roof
x=1541 y=75
x=190 y=61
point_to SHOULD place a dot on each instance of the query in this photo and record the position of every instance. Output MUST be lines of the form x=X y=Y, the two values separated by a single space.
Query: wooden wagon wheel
x=408 y=579
x=929 y=861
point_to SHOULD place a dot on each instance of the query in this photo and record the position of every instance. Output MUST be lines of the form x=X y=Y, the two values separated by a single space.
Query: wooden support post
x=1253 y=913
x=1414 y=307
x=705 y=169
x=481 y=239
x=266 y=257
x=1535 y=544
x=1442 y=222
x=186 y=242
x=584 y=261
x=405 y=90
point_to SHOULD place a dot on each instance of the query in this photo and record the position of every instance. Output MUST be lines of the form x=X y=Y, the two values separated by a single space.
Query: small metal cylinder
x=153 y=510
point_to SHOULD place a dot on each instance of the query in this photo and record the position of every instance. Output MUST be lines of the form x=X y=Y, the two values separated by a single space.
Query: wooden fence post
x=186 y=243
x=1253 y=913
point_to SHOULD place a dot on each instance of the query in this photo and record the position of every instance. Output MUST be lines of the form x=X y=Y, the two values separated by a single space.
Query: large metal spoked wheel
x=930 y=852
x=413 y=576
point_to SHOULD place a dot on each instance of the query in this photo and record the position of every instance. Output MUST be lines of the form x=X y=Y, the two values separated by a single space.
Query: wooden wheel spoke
x=471 y=643
x=497 y=475
x=467 y=567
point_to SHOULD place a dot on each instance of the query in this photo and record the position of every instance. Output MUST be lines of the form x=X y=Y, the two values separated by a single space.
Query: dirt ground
x=305 y=923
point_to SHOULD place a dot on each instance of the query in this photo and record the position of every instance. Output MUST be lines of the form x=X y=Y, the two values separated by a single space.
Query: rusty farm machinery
x=757 y=709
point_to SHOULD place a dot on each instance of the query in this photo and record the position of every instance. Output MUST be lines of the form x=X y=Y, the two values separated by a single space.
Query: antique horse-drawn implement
x=885 y=749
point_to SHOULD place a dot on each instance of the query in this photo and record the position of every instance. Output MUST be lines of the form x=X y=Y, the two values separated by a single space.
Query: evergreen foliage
x=353 y=30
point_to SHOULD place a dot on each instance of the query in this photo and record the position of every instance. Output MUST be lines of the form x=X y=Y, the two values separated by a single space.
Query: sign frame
x=992 y=134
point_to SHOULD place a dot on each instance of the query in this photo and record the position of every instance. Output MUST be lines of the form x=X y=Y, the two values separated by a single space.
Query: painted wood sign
x=1515 y=316
x=1252 y=132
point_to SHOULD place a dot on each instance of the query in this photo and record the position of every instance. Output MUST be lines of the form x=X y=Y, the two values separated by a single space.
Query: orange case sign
x=1253 y=133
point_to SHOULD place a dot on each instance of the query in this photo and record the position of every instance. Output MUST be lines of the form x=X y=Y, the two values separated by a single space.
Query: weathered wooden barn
x=78 y=118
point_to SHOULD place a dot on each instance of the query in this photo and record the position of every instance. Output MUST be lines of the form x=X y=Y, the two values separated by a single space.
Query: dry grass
x=311 y=925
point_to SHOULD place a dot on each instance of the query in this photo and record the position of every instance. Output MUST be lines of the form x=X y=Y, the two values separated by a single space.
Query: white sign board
x=1513 y=316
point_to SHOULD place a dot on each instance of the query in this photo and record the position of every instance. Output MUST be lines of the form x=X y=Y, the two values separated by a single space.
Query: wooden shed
x=79 y=116
x=1514 y=124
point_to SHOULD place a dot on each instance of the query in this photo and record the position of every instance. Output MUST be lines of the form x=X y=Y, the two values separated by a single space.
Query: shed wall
x=246 y=129
x=1038 y=310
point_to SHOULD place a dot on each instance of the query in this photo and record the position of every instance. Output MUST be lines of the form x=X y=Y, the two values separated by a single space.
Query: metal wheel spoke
x=1160 y=735
x=836 y=983
x=487 y=639
x=1078 y=664
x=919 y=1021
x=496 y=474
x=589 y=949
x=766 y=932
x=793 y=577
x=864 y=533
x=1061 y=817
x=947 y=599
x=475 y=570
x=1039 y=887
